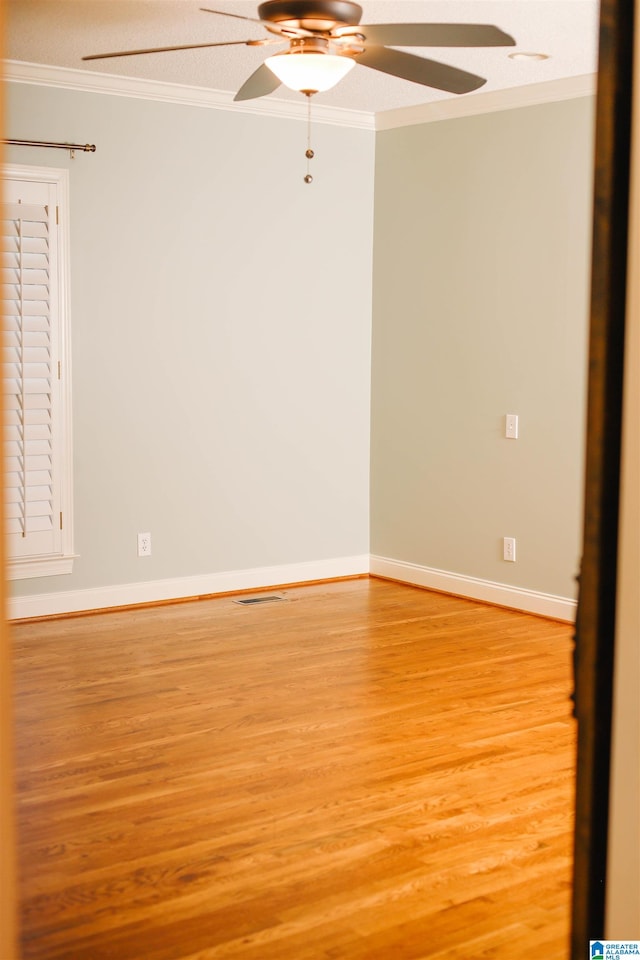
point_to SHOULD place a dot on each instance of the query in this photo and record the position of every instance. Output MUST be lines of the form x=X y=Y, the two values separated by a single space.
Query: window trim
x=59 y=563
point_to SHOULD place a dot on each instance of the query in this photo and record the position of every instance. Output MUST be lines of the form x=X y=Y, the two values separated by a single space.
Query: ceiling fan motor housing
x=320 y=15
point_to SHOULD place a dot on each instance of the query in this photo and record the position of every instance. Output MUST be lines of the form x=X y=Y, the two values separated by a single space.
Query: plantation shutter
x=29 y=301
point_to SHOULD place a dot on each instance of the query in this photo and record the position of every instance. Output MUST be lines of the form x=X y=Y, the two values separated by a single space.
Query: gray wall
x=481 y=281
x=221 y=314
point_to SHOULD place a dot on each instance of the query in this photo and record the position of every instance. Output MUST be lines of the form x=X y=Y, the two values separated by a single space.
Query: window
x=33 y=288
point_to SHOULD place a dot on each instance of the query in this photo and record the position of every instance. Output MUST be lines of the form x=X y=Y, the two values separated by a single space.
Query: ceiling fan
x=325 y=40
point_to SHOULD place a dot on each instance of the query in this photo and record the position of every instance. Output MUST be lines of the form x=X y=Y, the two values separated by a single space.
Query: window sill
x=39 y=567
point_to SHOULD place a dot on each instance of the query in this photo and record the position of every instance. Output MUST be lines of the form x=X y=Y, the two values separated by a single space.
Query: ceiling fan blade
x=430 y=73
x=189 y=46
x=261 y=82
x=436 y=35
x=225 y=13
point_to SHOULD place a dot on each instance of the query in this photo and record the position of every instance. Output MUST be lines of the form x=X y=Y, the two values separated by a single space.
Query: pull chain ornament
x=309 y=154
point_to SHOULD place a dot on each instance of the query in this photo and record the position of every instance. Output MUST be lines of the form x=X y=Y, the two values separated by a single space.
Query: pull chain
x=309 y=152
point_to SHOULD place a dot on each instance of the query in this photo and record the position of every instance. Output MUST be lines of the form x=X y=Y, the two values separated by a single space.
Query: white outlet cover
x=511 y=426
x=144 y=544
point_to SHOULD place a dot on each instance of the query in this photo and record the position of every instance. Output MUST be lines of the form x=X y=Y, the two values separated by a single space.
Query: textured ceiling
x=60 y=32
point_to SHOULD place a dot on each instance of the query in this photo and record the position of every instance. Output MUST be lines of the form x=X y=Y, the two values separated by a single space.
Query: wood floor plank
x=367 y=770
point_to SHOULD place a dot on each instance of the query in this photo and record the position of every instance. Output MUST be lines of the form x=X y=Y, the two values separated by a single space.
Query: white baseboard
x=516 y=598
x=155 y=591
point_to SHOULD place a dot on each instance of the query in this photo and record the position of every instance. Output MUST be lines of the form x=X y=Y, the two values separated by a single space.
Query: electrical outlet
x=144 y=544
x=509 y=549
x=511 y=426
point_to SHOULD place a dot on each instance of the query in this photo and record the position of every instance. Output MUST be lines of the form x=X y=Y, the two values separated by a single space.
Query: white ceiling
x=60 y=32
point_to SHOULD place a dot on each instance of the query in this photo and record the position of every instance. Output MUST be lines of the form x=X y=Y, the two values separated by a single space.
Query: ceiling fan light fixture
x=309 y=72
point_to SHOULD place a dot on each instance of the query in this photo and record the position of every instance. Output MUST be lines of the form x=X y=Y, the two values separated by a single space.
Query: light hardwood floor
x=366 y=771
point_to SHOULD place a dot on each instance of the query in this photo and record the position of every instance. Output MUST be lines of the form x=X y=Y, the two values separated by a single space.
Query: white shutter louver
x=30 y=295
x=27 y=374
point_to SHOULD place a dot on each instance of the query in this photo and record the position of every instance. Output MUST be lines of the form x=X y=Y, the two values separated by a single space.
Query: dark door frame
x=595 y=628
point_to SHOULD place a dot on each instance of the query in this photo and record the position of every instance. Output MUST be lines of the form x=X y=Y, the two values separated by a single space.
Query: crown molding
x=85 y=81
x=66 y=78
x=569 y=88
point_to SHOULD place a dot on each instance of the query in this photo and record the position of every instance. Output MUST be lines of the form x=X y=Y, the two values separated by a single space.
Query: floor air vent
x=265 y=598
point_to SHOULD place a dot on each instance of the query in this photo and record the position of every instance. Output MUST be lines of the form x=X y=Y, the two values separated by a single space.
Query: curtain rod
x=71 y=147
